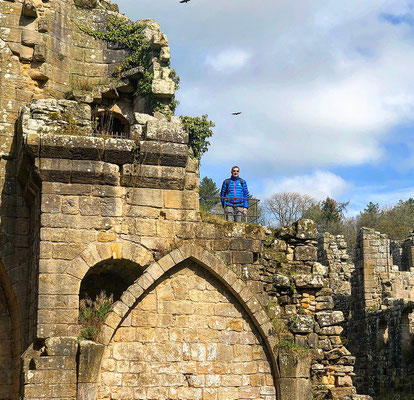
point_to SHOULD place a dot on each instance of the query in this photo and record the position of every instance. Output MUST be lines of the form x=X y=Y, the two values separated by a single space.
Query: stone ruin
x=204 y=309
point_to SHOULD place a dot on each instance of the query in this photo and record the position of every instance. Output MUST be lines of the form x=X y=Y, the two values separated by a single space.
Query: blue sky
x=326 y=91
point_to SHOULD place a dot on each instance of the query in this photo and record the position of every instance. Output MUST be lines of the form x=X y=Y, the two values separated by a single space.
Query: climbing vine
x=129 y=35
x=199 y=130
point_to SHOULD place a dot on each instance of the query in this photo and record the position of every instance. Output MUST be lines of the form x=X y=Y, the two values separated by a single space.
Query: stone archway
x=198 y=324
x=63 y=289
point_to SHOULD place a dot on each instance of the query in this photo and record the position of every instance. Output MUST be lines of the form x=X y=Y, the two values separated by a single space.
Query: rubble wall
x=375 y=297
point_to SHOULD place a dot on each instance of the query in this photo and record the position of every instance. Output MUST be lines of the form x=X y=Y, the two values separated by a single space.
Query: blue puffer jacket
x=236 y=195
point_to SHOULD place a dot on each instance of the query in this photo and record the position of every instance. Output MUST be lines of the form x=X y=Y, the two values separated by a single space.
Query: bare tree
x=287 y=207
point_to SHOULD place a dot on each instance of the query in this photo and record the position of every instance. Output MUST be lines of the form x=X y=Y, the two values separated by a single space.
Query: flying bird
x=184 y=1
x=236 y=113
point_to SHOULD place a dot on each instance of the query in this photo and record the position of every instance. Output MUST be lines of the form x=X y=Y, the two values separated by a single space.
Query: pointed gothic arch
x=208 y=262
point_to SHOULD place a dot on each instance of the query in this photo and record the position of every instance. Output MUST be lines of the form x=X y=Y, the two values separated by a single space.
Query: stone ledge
x=78 y=171
x=153 y=176
x=116 y=151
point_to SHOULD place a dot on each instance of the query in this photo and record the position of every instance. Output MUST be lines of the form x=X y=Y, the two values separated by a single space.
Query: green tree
x=199 y=130
x=332 y=211
x=209 y=194
x=370 y=217
x=395 y=221
x=372 y=208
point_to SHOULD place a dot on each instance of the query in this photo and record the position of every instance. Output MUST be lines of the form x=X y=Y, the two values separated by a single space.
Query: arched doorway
x=187 y=338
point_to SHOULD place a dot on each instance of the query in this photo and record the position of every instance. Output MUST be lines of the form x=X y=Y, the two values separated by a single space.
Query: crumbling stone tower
x=203 y=309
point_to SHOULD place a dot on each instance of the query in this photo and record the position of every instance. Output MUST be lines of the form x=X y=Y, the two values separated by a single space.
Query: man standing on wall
x=234 y=196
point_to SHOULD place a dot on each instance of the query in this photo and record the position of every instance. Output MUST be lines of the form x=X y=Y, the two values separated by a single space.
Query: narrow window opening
x=110 y=124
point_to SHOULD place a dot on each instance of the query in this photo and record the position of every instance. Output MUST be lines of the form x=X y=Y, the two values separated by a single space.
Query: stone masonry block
x=61 y=346
x=142 y=256
x=246 y=294
x=55 y=363
x=96 y=172
x=57 y=316
x=306 y=253
x=78 y=268
x=240 y=244
x=55 y=170
x=65 y=251
x=230 y=277
x=187 y=250
x=176 y=256
x=91 y=255
x=158 y=153
x=172 y=198
x=238 y=285
x=89 y=206
x=58 y=284
x=50 y=266
x=120 y=308
x=90 y=355
x=50 y=203
x=253 y=305
x=155 y=271
x=136 y=290
x=261 y=317
x=105 y=334
x=218 y=267
x=145 y=281
x=128 y=298
x=242 y=257
x=113 y=320
x=165 y=131
x=49 y=377
x=166 y=262
x=58 y=301
x=104 y=250
x=291 y=388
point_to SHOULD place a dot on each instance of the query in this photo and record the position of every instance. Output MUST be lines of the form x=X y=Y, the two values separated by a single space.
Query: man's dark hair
x=235 y=167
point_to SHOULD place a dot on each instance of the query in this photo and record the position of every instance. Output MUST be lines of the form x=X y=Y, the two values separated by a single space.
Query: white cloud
x=228 y=60
x=320 y=86
x=319 y=184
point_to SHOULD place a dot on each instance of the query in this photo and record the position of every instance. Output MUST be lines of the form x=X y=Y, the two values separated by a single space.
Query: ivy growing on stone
x=199 y=130
x=130 y=35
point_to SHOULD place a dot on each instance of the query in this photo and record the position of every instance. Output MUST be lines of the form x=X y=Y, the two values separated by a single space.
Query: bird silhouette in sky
x=184 y=1
x=236 y=113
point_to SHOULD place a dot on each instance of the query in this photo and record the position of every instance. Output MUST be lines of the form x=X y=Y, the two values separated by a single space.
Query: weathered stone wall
x=187 y=339
x=44 y=54
x=375 y=298
x=78 y=208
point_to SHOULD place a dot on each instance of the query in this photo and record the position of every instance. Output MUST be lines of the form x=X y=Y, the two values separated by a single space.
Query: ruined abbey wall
x=203 y=308
x=376 y=300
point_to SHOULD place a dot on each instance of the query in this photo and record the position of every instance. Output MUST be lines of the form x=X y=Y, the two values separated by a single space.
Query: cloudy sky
x=326 y=90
